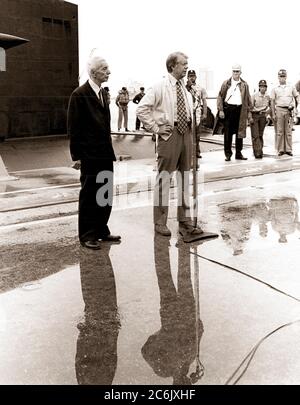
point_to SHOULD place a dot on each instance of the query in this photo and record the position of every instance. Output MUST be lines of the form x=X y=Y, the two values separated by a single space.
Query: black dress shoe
x=91 y=244
x=241 y=157
x=280 y=153
x=227 y=159
x=289 y=153
x=111 y=238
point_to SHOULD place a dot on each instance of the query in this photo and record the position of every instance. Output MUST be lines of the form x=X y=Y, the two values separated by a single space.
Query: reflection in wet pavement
x=96 y=356
x=175 y=347
x=154 y=311
x=236 y=221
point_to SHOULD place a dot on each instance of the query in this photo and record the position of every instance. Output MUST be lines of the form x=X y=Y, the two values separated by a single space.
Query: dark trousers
x=92 y=216
x=137 y=124
x=231 y=127
x=198 y=132
x=257 y=132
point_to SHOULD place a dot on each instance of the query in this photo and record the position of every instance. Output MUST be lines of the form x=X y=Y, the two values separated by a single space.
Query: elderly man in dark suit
x=91 y=148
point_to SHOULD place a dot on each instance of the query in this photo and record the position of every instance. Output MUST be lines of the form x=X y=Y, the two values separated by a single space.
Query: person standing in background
x=137 y=98
x=122 y=101
x=234 y=109
x=107 y=94
x=261 y=108
x=283 y=98
x=200 y=104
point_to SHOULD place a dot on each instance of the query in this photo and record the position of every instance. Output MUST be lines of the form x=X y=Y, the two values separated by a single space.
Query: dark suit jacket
x=245 y=110
x=89 y=125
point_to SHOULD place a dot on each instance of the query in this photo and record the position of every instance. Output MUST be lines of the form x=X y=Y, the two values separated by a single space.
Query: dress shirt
x=95 y=87
x=260 y=102
x=284 y=94
x=233 y=95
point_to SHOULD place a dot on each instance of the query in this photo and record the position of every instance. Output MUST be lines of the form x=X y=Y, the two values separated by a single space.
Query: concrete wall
x=41 y=74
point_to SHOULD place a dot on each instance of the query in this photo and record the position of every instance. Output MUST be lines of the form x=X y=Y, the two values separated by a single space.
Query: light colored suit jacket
x=156 y=108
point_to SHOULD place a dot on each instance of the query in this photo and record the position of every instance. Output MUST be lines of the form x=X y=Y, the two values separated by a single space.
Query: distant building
x=41 y=74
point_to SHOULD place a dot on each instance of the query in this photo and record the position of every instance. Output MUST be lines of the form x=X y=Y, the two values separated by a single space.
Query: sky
x=136 y=36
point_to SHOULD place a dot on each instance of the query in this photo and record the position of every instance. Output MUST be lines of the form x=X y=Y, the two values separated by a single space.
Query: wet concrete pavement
x=132 y=313
x=153 y=310
x=55 y=187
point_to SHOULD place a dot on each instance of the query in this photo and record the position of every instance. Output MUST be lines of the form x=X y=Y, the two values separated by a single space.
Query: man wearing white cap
x=234 y=108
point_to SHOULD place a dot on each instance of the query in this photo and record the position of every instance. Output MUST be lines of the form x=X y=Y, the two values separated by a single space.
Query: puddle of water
x=269 y=218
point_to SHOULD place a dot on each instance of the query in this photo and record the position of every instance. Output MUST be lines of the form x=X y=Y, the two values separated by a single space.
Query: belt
x=189 y=123
x=232 y=105
x=280 y=106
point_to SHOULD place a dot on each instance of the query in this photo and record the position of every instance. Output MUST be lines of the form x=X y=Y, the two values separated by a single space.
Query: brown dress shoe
x=162 y=230
x=185 y=227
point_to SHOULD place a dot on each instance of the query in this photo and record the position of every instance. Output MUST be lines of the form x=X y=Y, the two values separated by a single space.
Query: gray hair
x=172 y=59
x=94 y=63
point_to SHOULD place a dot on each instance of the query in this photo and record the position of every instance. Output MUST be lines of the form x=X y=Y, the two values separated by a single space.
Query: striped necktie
x=181 y=110
x=101 y=98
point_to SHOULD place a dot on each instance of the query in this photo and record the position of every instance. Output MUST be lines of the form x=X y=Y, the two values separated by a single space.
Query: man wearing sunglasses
x=234 y=109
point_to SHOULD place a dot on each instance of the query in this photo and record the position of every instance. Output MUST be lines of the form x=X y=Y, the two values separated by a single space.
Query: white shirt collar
x=95 y=87
x=236 y=82
x=173 y=80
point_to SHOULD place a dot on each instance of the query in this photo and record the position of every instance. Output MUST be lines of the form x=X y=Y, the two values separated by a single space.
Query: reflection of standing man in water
x=284 y=216
x=261 y=214
x=171 y=350
x=235 y=226
x=96 y=357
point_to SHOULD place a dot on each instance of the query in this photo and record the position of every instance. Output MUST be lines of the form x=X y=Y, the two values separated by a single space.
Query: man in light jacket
x=167 y=111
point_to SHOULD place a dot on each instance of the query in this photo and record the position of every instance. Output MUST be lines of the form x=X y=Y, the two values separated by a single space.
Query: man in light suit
x=91 y=148
x=167 y=111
